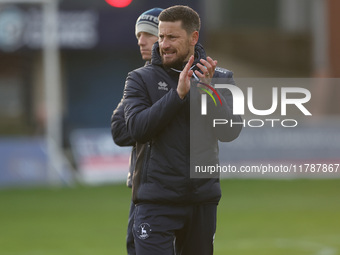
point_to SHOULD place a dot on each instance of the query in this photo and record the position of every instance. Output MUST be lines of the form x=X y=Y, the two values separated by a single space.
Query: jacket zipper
x=146 y=163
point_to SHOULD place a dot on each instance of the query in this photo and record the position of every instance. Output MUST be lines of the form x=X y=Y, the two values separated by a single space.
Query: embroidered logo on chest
x=163 y=86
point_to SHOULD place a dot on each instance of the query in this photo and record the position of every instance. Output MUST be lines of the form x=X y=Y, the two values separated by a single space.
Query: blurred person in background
x=174 y=214
x=146 y=31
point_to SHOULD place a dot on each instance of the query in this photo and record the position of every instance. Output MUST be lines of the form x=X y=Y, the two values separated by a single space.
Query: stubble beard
x=177 y=63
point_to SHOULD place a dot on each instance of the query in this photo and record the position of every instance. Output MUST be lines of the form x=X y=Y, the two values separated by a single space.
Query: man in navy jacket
x=174 y=213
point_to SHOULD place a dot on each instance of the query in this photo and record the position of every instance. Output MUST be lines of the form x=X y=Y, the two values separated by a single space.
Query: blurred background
x=63 y=66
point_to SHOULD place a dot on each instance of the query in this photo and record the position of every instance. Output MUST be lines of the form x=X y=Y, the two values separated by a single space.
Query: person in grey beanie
x=146 y=31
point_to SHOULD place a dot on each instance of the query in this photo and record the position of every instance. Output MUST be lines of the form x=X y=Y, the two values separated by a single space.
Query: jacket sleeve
x=119 y=131
x=226 y=132
x=144 y=118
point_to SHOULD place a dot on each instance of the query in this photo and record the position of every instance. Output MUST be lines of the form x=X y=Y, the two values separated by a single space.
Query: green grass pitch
x=255 y=217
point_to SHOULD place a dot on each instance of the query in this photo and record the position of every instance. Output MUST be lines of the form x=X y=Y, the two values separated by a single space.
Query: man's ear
x=194 y=38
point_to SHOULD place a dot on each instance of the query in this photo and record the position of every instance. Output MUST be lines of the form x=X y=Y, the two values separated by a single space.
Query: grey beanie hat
x=148 y=22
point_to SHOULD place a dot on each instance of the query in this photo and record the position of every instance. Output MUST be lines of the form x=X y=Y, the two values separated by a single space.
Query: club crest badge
x=143 y=231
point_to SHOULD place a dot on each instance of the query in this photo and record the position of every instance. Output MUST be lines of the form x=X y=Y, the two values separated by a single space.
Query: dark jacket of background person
x=122 y=138
x=156 y=115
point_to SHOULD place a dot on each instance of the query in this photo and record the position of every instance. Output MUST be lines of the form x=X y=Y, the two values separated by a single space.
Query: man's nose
x=165 y=43
x=141 y=40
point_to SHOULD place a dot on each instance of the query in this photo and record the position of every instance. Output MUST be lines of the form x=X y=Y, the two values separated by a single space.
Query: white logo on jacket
x=163 y=86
